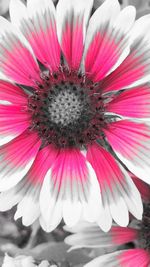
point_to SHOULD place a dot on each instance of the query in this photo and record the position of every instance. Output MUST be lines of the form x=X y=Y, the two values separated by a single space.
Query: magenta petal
x=42 y=163
x=122 y=258
x=90 y=235
x=70 y=191
x=13 y=121
x=134 y=103
x=101 y=56
x=72 y=19
x=45 y=45
x=104 y=165
x=113 y=180
x=143 y=188
x=28 y=74
x=12 y=93
x=131 y=70
x=72 y=42
x=70 y=174
x=130 y=141
x=38 y=24
x=134 y=70
x=110 y=177
x=42 y=34
x=16 y=158
x=122 y=235
x=17 y=60
x=107 y=41
x=134 y=257
x=29 y=187
x=27 y=191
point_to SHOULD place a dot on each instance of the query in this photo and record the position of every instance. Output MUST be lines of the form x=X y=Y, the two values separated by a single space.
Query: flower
x=20 y=261
x=73 y=95
x=89 y=235
x=24 y=261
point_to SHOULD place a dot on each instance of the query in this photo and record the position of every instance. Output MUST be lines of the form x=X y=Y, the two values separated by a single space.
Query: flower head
x=89 y=235
x=19 y=261
x=24 y=261
x=74 y=94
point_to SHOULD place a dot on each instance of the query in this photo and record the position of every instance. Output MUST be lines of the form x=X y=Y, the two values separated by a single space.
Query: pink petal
x=72 y=18
x=130 y=71
x=134 y=103
x=16 y=158
x=30 y=186
x=27 y=191
x=122 y=235
x=134 y=257
x=143 y=188
x=17 y=60
x=131 y=142
x=107 y=43
x=90 y=235
x=135 y=68
x=122 y=258
x=72 y=43
x=12 y=93
x=42 y=163
x=37 y=23
x=66 y=181
x=70 y=169
x=113 y=182
x=67 y=189
x=13 y=121
x=97 y=56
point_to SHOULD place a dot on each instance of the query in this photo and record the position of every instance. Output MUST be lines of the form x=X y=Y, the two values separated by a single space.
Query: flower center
x=145 y=228
x=67 y=110
x=67 y=105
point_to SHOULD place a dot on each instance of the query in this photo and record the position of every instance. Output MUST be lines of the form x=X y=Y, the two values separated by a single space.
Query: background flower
x=88 y=235
x=24 y=261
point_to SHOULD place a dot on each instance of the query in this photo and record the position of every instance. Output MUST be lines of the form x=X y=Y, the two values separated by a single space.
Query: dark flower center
x=67 y=110
x=144 y=235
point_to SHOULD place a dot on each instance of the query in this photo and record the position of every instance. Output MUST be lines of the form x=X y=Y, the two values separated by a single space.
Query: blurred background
x=18 y=240
x=143 y=6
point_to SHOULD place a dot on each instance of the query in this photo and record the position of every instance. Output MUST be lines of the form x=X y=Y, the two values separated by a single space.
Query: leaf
x=58 y=252
x=50 y=251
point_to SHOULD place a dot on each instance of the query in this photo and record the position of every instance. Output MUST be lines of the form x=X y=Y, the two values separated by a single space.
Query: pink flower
x=72 y=103
x=90 y=235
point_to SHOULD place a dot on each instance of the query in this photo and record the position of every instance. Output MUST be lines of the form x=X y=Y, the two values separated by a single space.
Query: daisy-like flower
x=24 y=261
x=90 y=235
x=74 y=94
